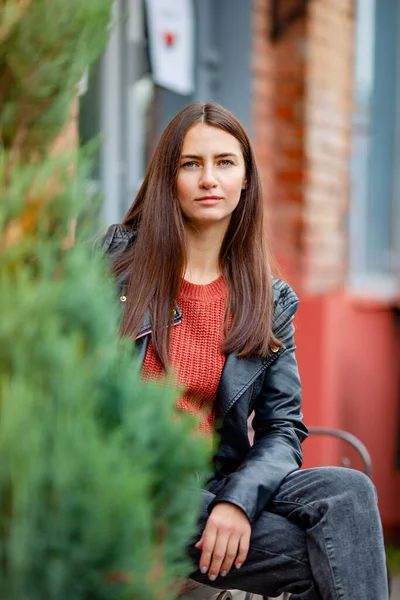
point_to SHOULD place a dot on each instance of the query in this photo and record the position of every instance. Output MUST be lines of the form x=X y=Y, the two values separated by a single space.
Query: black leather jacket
x=248 y=476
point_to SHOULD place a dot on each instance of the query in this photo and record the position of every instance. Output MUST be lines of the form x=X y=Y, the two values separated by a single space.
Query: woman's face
x=211 y=175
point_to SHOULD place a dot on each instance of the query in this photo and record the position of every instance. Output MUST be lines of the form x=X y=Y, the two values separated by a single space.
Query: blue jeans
x=319 y=538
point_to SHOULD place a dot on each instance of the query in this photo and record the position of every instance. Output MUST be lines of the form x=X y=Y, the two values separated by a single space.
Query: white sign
x=171 y=38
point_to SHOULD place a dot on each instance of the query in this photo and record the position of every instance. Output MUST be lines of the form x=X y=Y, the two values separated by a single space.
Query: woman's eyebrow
x=220 y=155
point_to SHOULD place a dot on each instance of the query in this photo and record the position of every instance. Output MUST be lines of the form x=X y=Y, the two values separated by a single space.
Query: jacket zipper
x=148 y=331
x=251 y=398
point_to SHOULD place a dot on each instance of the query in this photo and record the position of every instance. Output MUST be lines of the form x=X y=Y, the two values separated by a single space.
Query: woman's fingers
x=208 y=542
x=225 y=540
x=244 y=545
x=218 y=555
x=230 y=555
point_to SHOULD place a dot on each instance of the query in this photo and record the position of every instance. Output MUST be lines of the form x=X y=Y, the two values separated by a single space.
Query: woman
x=191 y=260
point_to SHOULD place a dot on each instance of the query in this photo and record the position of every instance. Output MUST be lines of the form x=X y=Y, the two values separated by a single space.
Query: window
x=375 y=185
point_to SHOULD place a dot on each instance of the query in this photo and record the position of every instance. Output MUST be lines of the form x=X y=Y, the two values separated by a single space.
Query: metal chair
x=352 y=441
x=198 y=591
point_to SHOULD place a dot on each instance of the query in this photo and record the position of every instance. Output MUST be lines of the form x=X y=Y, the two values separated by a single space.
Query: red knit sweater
x=196 y=355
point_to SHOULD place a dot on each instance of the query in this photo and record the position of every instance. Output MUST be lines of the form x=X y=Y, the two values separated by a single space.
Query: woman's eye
x=225 y=162
x=189 y=164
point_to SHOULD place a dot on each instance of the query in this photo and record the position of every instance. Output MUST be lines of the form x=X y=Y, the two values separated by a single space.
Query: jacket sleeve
x=279 y=432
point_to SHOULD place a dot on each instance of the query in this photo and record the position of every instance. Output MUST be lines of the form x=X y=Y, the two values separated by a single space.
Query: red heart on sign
x=169 y=37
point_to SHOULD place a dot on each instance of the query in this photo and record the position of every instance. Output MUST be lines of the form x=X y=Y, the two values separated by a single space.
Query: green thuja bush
x=97 y=493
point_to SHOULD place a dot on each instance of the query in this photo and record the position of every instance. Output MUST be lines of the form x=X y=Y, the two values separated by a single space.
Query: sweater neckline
x=203 y=292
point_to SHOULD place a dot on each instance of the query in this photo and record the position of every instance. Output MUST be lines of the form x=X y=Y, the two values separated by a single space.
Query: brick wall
x=263 y=83
x=301 y=112
x=327 y=117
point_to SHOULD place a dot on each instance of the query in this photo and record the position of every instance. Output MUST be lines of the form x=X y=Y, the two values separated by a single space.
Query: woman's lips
x=209 y=200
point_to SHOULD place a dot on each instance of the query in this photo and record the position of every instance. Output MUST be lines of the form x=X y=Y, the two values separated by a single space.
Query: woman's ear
x=244 y=185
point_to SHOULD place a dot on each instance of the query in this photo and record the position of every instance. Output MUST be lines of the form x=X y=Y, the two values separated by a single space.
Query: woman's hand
x=225 y=540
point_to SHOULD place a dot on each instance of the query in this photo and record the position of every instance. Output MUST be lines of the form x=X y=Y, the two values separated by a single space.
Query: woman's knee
x=341 y=481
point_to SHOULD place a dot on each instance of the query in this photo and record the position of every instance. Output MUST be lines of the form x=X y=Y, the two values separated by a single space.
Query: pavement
x=396 y=588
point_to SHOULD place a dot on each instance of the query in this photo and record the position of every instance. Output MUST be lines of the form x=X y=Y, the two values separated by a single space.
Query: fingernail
x=224 y=573
x=203 y=570
x=212 y=577
x=239 y=565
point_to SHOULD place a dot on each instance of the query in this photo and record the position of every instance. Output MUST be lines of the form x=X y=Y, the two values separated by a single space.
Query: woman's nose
x=208 y=179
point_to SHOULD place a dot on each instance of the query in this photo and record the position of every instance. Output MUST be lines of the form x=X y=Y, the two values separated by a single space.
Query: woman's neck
x=203 y=251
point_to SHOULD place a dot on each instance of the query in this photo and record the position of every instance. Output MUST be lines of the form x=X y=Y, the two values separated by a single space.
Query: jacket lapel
x=237 y=376
x=143 y=336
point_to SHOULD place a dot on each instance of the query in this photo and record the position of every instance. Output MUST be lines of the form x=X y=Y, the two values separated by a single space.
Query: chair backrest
x=351 y=440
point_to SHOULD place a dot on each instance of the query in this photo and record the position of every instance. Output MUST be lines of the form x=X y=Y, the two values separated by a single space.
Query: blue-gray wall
x=223 y=61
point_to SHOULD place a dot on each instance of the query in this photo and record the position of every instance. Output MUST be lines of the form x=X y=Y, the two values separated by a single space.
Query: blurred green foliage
x=97 y=488
x=45 y=49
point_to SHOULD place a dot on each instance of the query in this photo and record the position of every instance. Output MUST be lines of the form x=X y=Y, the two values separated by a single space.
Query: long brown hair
x=156 y=262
